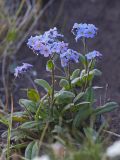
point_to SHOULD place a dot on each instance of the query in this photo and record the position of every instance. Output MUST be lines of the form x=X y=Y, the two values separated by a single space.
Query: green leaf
x=89 y=95
x=75 y=74
x=57 y=129
x=33 y=95
x=89 y=76
x=83 y=114
x=19 y=146
x=32 y=150
x=32 y=125
x=11 y=35
x=28 y=150
x=78 y=97
x=95 y=72
x=28 y=105
x=90 y=134
x=41 y=112
x=64 y=97
x=35 y=150
x=76 y=81
x=82 y=59
x=44 y=84
x=49 y=65
x=77 y=106
x=64 y=83
x=4 y=121
x=67 y=107
x=108 y=107
x=83 y=72
x=19 y=117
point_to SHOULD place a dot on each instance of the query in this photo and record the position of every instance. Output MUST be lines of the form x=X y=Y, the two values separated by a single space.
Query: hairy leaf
x=33 y=95
x=44 y=84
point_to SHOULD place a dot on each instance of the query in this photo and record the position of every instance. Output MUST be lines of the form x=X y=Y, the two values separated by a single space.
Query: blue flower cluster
x=48 y=43
x=22 y=69
x=93 y=54
x=84 y=30
x=69 y=56
x=59 y=47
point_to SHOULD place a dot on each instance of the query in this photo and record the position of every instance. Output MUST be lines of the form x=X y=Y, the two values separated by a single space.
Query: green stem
x=43 y=134
x=86 y=62
x=84 y=52
x=9 y=130
x=53 y=80
x=69 y=75
x=8 y=143
x=53 y=88
x=84 y=45
x=88 y=70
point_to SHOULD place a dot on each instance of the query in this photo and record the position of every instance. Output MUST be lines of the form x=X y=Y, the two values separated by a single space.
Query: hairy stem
x=53 y=88
x=69 y=75
x=84 y=52
x=84 y=45
x=88 y=70
x=53 y=80
x=9 y=130
x=43 y=134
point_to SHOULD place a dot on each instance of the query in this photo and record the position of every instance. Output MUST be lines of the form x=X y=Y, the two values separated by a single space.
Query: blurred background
x=19 y=19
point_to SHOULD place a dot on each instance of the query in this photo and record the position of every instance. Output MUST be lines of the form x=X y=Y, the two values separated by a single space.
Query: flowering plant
x=63 y=111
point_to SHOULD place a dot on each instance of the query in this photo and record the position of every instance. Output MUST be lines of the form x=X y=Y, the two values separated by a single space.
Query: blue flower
x=84 y=30
x=53 y=34
x=69 y=56
x=64 y=62
x=47 y=43
x=50 y=36
x=37 y=46
x=59 y=47
x=45 y=50
x=32 y=40
x=22 y=69
x=93 y=54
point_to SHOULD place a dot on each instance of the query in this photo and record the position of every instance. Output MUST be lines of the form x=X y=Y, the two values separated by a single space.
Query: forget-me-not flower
x=93 y=54
x=84 y=30
x=69 y=56
x=22 y=69
x=47 y=43
x=59 y=47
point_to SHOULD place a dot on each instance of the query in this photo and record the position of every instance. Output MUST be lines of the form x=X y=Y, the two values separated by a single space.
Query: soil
x=105 y=14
